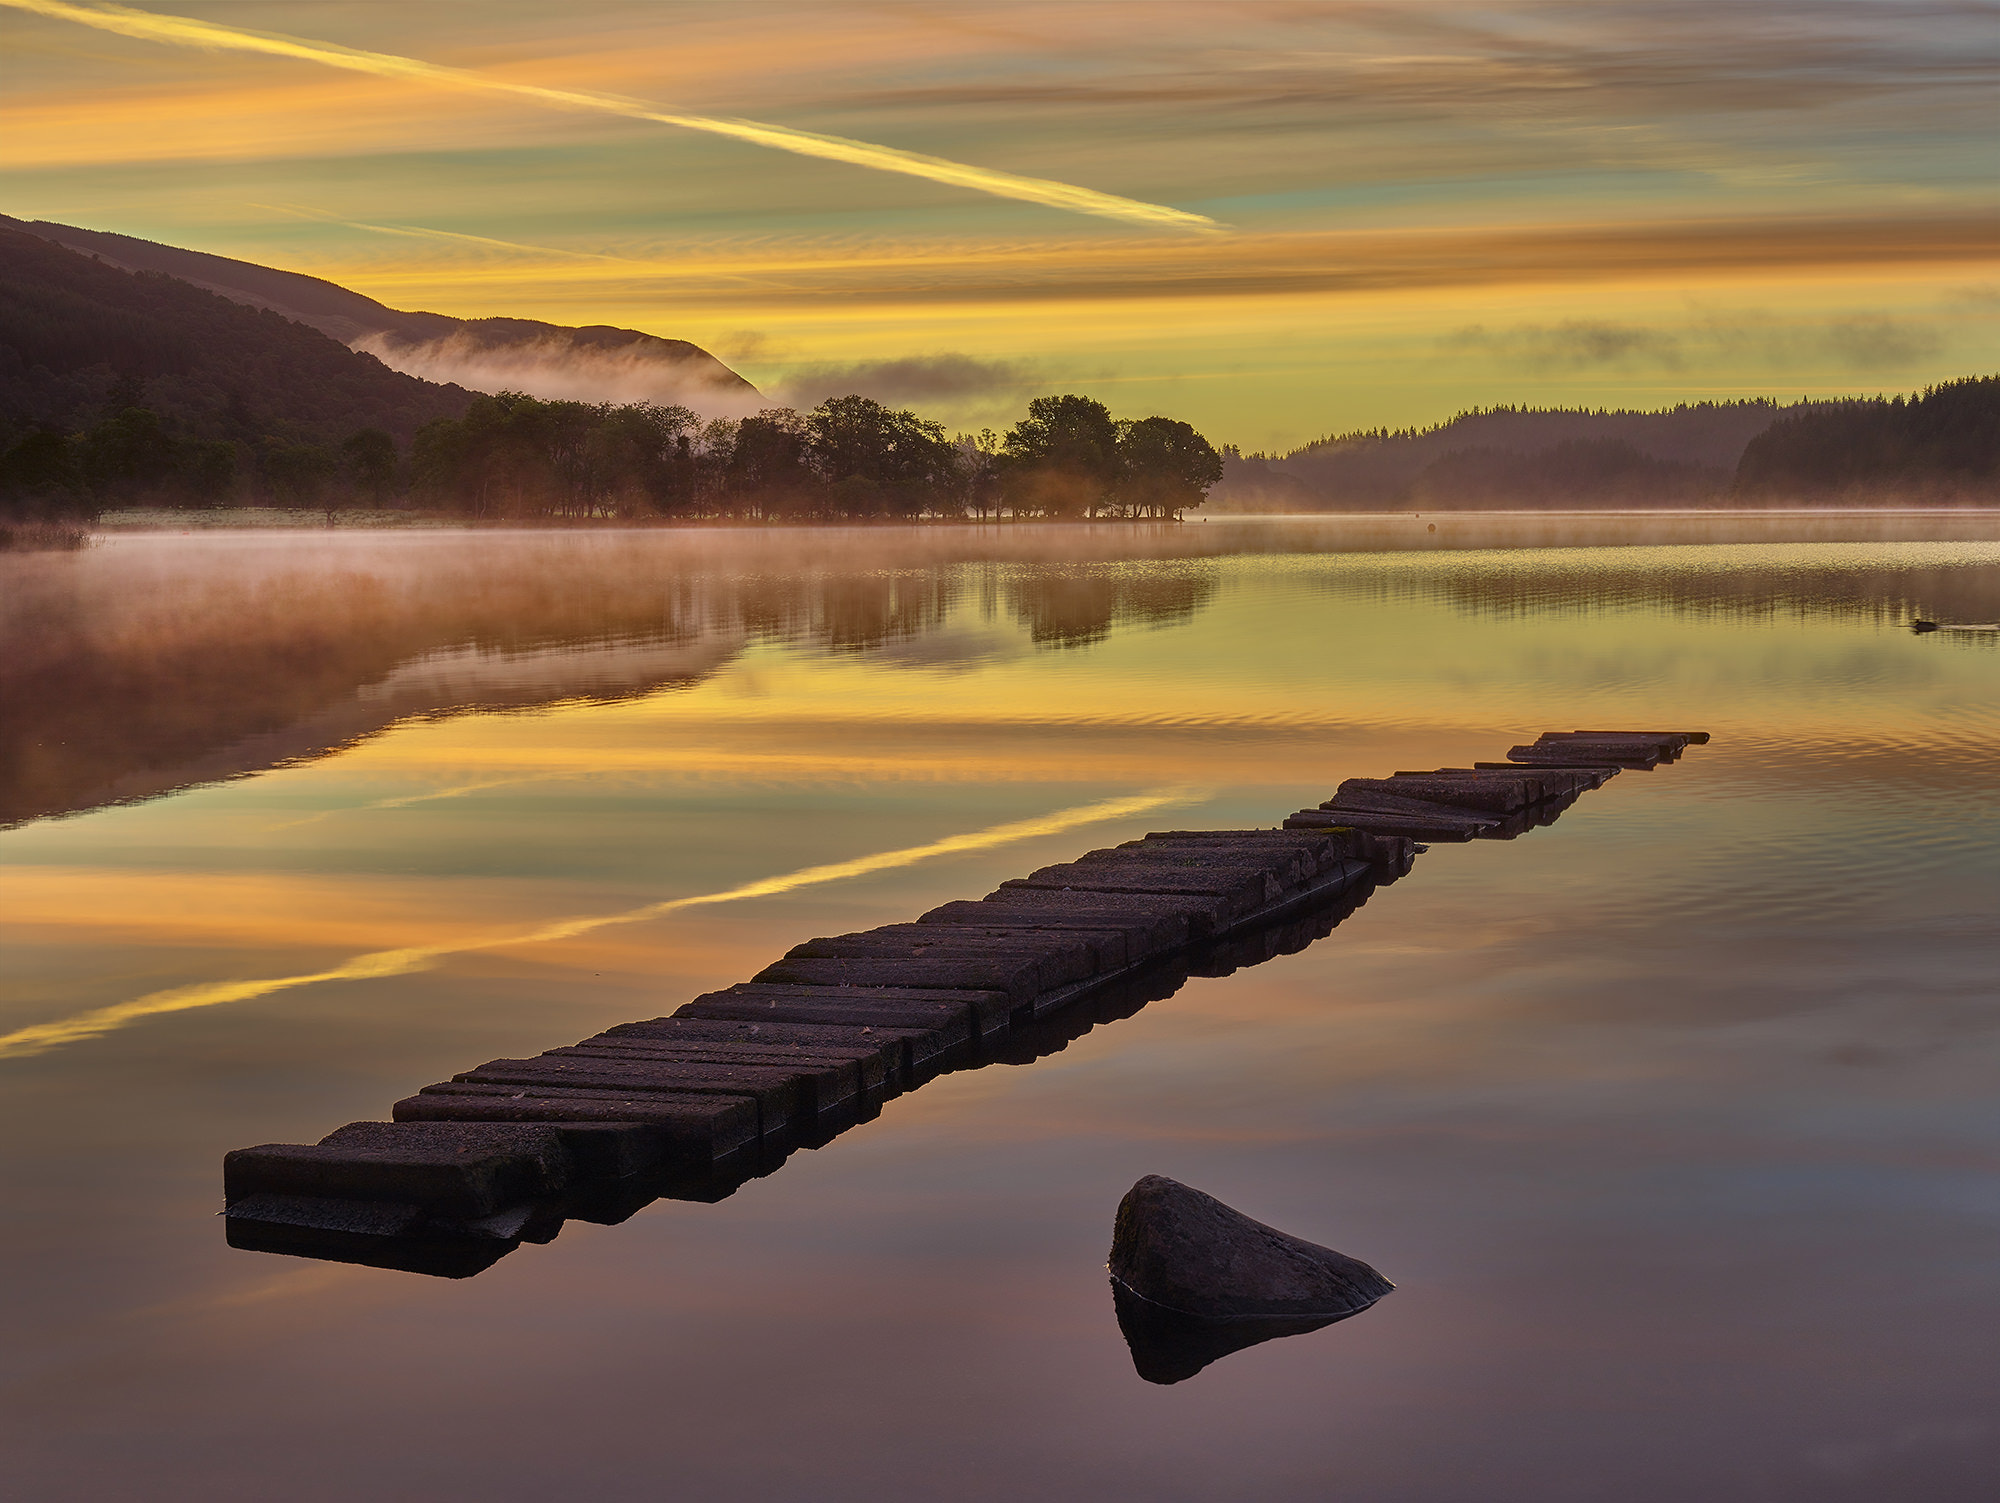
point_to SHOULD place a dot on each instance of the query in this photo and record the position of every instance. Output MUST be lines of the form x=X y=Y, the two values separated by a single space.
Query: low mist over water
x=1670 y=1122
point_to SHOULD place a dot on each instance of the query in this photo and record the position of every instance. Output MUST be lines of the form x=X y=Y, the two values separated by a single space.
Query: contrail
x=184 y=31
x=415 y=232
x=378 y=963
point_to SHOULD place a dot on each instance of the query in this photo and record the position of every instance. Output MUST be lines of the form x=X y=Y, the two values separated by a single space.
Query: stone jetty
x=692 y=1105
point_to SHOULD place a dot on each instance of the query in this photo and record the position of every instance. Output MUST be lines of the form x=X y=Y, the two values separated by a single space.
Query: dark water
x=1677 y=1124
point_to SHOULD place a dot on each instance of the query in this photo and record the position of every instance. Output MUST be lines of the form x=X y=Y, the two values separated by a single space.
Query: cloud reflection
x=401 y=962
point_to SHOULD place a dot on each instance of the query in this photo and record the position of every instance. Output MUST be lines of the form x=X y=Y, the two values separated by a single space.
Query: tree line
x=849 y=457
x=516 y=457
x=1941 y=445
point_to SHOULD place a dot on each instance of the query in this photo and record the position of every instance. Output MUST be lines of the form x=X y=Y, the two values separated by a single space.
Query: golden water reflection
x=1629 y=1108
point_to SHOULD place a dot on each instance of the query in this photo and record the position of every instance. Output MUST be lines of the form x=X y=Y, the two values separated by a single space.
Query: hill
x=1942 y=446
x=594 y=363
x=72 y=328
x=1511 y=457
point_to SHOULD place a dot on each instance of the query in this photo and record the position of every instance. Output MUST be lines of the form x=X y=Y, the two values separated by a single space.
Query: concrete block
x=693 y=1129
x=781 y=1094
x=1018 y=979
x=450 y=1169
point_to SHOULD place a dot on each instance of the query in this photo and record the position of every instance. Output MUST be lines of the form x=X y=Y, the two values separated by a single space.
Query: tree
x=1062 y=459
x=298 y=474
x=767 y=472
x=129 y=454
x=874 y=460
x=369 y=459
x=1164 y=467
x=40 y=477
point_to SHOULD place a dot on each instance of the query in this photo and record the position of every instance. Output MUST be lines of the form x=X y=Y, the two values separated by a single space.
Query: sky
x=1276 y=221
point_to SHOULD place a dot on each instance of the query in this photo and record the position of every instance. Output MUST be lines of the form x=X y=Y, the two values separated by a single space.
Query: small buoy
x=1433 y=527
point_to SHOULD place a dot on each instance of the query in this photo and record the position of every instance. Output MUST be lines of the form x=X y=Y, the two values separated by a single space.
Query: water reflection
x=1623 y=1105
x=1168 y=1347
x=152 y=664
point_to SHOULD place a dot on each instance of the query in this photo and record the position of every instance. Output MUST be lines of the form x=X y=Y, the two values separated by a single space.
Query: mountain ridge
x=482 y=354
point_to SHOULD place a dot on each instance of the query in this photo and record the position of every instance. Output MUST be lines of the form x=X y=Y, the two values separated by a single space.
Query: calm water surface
x=1677 y=1123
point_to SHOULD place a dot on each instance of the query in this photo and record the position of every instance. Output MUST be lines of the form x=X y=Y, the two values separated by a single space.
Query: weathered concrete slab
x=463 y=1171
x=1554 y=757
x=1427 y=831
x=870 y=1066
x=1498 y=797
x=1535 y=784
x=1412 y=808
x=1584 y=778
x=832 y=1038
x=1320 y=848
x=1239 y=892
x=1679 y=739
x=695 y=1129
x=1330 y=842
x=945 y=1023
x=1542 y=756
x=781 y=1095
x=831 y=1083
x=1062 y=957
x=1291 y=865
x=1144 y=930
x=1019 y=978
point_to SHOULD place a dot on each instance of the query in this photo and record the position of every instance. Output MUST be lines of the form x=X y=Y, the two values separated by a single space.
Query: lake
x=1674 y=1123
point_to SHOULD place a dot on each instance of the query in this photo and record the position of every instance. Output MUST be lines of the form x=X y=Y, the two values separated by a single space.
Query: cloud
x=1575 y=345
x=1862 y=344
x=945 y=380
x=1873 y=343
x=184 y=31
x=38 y=1037
x=754 y=280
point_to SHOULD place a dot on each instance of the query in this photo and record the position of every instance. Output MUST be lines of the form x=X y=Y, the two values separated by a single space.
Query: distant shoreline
x=255 y=519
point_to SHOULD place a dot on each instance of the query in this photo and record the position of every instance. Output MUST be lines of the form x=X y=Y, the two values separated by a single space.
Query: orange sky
x=1423 y=207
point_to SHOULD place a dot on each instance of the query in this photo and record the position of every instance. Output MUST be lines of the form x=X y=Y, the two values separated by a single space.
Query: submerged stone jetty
x=692 y=1105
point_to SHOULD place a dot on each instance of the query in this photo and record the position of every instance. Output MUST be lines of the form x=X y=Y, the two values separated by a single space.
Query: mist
x=559 y=367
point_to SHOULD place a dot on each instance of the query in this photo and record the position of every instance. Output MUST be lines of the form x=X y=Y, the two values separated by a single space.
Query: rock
x=1187 y=1252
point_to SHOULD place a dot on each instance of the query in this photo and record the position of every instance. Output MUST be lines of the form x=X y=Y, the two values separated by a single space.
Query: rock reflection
x=1169 y=1347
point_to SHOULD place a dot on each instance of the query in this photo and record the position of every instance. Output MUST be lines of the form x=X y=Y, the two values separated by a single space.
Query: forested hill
x=1508 y=456
x=1942 y=446
x=597 y=362
x=1939 y=447
x=72 y=329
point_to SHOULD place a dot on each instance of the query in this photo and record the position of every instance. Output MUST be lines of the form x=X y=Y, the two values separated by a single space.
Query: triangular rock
x=1187 y=1252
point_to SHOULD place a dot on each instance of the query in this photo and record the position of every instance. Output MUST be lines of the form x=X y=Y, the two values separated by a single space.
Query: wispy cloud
x=947 y=380
x=185 y=31
x=1676 y=250
x=378 y=964
x=446 y=237
x=1861 y=344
